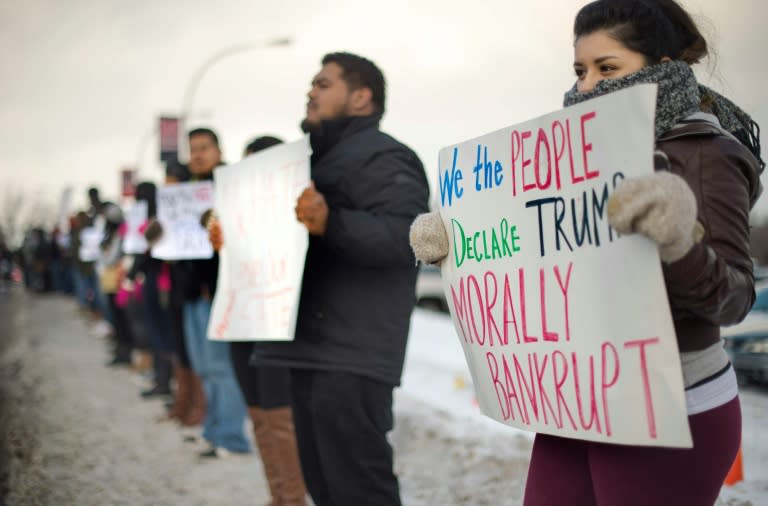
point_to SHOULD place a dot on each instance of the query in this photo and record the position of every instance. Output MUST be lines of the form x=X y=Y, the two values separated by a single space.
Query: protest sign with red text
x=262 y=261
x=565 y=325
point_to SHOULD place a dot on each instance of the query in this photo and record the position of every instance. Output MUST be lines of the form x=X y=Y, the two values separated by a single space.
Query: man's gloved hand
x=662 y=207
x=429 y=240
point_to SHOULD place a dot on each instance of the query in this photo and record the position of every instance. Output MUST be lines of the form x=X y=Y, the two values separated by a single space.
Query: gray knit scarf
x=680 y=96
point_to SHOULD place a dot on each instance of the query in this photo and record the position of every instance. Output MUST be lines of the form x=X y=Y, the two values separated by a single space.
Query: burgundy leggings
x=566 y=472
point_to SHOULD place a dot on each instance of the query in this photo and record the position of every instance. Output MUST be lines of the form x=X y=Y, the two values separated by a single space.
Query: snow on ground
x=82 y=436
x=436 y=373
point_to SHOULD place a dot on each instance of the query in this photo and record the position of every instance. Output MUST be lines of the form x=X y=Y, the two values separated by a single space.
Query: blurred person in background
x=152 y=275
x=110 y=270
x=83 y=271
x=6 y=264
x=267 y=393
x=223 y=426
x=189 y=404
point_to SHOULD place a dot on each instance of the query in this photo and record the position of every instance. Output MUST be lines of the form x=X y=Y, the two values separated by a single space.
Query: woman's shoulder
x=715 y=152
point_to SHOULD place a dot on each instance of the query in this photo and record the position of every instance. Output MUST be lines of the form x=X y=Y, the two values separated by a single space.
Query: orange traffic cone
x=736 y=474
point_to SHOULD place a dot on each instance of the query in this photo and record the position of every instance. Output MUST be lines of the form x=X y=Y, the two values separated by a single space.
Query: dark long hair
x=658 y=29
x=653 y=28
x=147 y=192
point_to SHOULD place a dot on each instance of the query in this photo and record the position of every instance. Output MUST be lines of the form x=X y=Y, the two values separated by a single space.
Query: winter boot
x=182 y=396
x=196 y=412
x=161 y=365
x=276 y=439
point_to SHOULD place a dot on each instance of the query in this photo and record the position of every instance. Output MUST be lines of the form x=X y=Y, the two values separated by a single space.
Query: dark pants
x=262 y=387
x=567 y=472
x=342 y=420
x=157 y=322
x=124 y=341
x=176 y=316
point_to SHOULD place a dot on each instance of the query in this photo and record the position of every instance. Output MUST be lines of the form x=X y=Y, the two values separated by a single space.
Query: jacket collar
x=698 y=123
x=331 y=132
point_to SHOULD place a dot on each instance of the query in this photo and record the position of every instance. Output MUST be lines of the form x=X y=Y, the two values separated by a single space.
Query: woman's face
x=598 y=56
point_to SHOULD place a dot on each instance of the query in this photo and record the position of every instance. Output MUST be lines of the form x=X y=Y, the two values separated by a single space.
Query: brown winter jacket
x=713 y=284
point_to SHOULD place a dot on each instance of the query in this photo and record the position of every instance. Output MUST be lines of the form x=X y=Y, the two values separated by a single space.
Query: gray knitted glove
x=428 y=238
x=660 y=206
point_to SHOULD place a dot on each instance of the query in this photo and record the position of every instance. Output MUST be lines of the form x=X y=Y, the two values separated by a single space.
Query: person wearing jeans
x=223 y=423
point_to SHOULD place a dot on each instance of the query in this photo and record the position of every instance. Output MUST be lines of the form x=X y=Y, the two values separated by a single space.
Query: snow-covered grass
x=436 y=374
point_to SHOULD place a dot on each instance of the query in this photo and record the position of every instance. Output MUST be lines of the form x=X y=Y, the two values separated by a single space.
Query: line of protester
x=321 y=405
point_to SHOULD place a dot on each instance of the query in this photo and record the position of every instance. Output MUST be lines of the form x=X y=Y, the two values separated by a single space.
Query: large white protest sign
x=262 y=261
x=179 y=208
x=135 y=218
x=565 y=325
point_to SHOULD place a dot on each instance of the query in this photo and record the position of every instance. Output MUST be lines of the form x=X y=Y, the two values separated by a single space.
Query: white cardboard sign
x=565 y=325
x=134 y=242
x=179 y=208
x=262 y=262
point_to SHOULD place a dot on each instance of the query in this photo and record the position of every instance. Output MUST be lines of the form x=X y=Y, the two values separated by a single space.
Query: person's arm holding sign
x=710 y=279
x=660 y=206
x=312 y=211
x=694 y=207
x=215 y=235
x=373 y=230
x=428 y=238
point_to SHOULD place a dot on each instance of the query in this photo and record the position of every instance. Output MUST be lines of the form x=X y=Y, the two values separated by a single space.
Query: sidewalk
x=88 y=439
x=80 y=435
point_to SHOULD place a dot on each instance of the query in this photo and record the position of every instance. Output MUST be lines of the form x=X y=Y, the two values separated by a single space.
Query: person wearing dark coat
x=358 y=289
x=155 y=311
x=267 y=393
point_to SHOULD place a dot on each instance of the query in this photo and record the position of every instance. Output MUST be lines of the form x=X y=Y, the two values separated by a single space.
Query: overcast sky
x=84 y=81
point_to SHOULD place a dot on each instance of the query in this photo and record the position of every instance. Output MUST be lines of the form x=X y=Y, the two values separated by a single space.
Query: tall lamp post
x=194 y=82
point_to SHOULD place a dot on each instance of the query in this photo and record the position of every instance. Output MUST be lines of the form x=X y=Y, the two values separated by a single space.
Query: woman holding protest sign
x=696 y=208
x=267 y=393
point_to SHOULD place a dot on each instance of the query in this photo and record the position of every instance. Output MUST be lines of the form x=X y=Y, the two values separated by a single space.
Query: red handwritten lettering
x=509 y=312
x=546 y=335
x=559 y=382
x=526 y=338
x=606 y=384
x=459 y=305
x=473 y=281
x=587 y=147
x=564 y=289
x=649 y=411
x=541 y=140
x=489 y=304
x=593 y=415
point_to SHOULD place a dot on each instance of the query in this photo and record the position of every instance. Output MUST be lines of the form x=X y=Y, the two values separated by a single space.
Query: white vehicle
x=429 y=289
x=747 y=342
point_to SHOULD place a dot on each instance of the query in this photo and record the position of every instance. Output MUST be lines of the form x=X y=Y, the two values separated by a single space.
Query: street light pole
x=194 y=82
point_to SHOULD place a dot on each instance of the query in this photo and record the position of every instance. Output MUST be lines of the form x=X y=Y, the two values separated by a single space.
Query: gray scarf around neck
x=679 y=96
